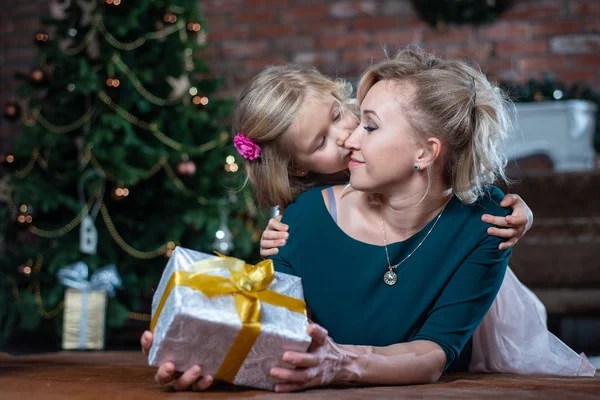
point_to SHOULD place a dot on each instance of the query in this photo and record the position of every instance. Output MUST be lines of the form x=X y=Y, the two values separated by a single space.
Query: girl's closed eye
x=337 y=115
x=322 y=143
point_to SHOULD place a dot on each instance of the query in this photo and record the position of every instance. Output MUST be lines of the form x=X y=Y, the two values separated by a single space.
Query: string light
x=230 y=165
x=200 y=100
x=193 y=26
x=170 y=18
x=193 y=91
x=41 y=37
x=112 y=82
x=10 y=158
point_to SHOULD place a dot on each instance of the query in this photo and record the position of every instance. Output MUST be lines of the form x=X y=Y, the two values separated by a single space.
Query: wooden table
x=125 y=375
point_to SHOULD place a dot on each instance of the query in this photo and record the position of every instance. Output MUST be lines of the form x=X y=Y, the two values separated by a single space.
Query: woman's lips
x=354 y=163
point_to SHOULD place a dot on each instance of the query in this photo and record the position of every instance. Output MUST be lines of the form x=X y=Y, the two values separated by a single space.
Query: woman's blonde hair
x=268 y=106
x=455 y=103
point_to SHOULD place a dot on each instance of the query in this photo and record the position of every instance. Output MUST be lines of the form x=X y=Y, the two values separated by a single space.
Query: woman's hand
x=274 y=236
x=325 y=363
x=192 y=378
x=513 y=226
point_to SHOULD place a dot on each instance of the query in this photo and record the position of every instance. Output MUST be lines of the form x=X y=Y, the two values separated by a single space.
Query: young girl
x=291 y=124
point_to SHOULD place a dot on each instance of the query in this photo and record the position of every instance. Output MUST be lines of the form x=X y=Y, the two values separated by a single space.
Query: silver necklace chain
x=390 y=266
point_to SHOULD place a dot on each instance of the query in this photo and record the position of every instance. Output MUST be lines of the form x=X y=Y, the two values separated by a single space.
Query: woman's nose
x=346 y=131
x=353 y=142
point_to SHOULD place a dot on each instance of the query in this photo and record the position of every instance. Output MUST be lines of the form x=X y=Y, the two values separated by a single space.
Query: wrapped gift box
x=193 y=328
x=84 y=318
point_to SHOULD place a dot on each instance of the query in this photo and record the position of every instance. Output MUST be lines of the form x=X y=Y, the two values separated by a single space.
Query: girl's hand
x=325 y=363
x=274 y=236
x=192 y=378
x=513 y=226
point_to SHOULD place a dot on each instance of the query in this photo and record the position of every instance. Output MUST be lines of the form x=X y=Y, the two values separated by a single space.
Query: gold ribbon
x=248 y=285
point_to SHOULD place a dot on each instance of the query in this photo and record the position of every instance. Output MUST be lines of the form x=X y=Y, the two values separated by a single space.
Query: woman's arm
x=327 y=362
x=456 y=313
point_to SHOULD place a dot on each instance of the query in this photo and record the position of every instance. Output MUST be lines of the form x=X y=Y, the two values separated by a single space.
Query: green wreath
x=440 y=13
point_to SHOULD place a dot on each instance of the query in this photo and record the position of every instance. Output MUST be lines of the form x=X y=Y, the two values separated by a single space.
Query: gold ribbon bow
x=248 y=285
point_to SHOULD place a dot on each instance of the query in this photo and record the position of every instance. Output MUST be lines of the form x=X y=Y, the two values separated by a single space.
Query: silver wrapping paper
x=194 y=329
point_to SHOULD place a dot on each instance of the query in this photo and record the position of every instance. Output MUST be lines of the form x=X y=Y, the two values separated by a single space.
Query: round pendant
x=390 y=278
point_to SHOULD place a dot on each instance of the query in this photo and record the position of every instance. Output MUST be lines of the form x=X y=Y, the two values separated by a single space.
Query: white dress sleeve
x=514 y=338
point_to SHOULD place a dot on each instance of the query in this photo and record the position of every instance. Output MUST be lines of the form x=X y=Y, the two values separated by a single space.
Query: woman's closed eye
x=369 y=128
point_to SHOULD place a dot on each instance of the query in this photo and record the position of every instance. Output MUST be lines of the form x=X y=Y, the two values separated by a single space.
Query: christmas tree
x=122 y=155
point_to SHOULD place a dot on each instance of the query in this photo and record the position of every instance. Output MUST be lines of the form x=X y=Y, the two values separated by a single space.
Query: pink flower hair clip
x=246 y=147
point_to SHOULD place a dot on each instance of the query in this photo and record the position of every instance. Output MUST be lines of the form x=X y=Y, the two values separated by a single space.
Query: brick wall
x=342 y=37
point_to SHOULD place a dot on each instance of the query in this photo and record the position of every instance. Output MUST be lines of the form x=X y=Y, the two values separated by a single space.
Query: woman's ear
x=429 y=153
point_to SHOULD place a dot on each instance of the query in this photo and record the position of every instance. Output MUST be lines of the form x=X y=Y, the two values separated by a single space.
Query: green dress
x=443 y=290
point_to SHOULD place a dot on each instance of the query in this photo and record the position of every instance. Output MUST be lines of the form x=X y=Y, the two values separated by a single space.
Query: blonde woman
x=286 y=149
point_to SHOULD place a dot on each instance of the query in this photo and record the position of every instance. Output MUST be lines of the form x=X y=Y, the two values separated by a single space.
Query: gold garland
x=149 y=174
x=60 y=306
x=58 y=129
x=44 y=164
x=153 y=128
x=38 y=300
x=35 y=287
x=142 y=255
x=70 y=226
x=110 y=39
x=33 y=158
x=180 y=185
x=88 y=38
x=142 y=39
x=138 y=85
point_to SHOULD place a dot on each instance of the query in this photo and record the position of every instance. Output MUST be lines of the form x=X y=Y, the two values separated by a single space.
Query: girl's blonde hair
x=457 y=104
x=267 y=108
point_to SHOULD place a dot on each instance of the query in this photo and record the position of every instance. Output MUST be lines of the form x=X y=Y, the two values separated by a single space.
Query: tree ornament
x=223 y=242
x=186 y=167
x=87 y=11
x=180 y=86
x=12 y=111
x=38 y=77
x=58 y=8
